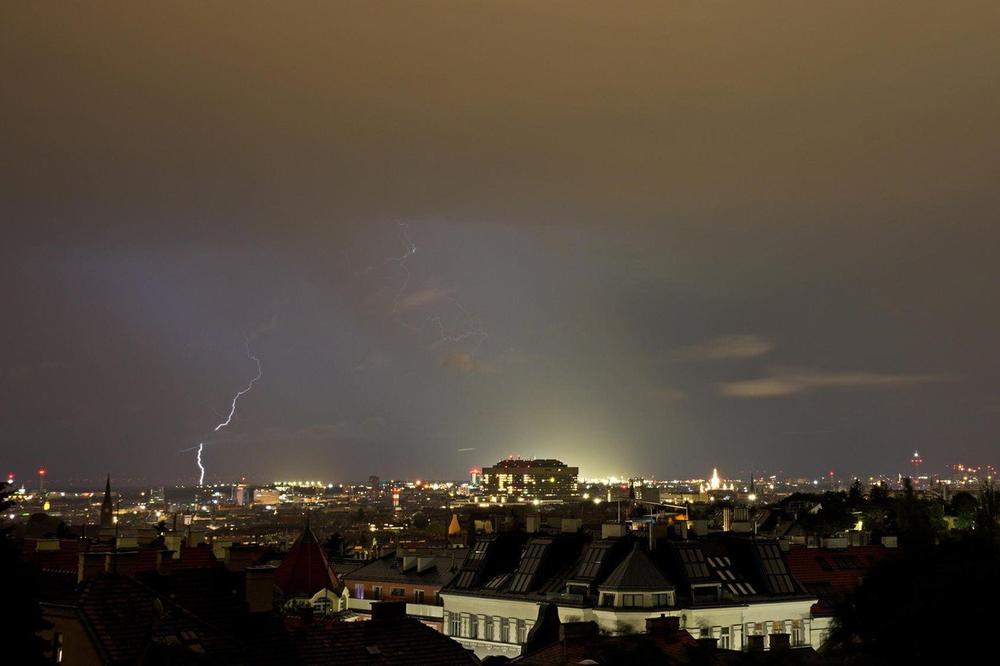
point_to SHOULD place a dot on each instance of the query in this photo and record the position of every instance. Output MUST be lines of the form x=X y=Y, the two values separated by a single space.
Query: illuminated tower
x=916 y=461
x=41 y=481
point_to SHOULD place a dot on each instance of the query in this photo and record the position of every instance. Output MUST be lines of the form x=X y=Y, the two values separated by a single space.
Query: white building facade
x=500 y=626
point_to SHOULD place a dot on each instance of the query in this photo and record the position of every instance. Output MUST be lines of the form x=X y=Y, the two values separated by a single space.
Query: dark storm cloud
x=590 y=190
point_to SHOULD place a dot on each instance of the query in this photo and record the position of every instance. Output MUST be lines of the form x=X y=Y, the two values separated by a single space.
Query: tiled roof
x=127 y=619
x=636 y=572
x=65 y=558
x=305 y=570
x=389 y=569
x=832 y=573
x=195 y=557
x=398 y=642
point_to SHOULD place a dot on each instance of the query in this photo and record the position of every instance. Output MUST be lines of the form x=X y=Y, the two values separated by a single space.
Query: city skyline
x=649 y=242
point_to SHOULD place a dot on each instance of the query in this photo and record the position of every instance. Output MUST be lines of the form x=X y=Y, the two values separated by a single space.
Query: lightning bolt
x=473 y=329
x=459 y=329
x=240 y=394
x=201 y=478
x=411 y=249
x=232 y=412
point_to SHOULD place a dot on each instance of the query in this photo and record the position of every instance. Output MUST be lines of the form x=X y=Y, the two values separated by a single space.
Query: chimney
x=91 y=564
x=612 y=530
x=755 y=643
x=388 y=610
x=260 y=589
x=665 y=625
x=577 y=630
x=780 y=642
x=700 y=527
x=531 y=523
x=708 y=643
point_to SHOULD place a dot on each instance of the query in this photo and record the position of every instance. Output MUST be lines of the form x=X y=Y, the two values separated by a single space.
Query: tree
x=988 y=514
x=889 y=618
x=856 y=495
x=334 y=545
x=833 y=516
x=919 y=522
x=420 y=520
x=964 y=507
x=20 y=612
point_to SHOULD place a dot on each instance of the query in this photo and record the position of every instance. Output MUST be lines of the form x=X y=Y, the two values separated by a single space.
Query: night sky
x=645 y=240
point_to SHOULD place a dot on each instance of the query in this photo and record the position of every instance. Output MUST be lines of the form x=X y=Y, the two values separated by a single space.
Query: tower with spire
x=107 y=528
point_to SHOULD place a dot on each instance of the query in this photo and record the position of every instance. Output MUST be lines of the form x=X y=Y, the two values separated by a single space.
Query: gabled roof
x=305 y=570
x=636 y=572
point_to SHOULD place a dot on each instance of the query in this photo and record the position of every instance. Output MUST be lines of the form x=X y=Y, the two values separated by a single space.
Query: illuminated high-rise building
x=541 y=479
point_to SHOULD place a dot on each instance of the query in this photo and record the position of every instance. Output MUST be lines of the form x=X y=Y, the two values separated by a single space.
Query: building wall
x=365 y=589
x=489 y=626
x=513 y=480
x=791 y=617
x=424 y=613
x=77 y=647
x=729 y=624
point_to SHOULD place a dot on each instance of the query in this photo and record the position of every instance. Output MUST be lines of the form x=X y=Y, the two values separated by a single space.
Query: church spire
x=107 y=508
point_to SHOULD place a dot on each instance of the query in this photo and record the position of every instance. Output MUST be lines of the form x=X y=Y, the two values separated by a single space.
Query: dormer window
x=631 y=600
x=662 y=599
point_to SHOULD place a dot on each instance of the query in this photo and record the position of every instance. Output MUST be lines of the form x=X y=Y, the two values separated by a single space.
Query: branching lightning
x=232 y=412
x=459 y=329
x=409 y=249
x=473 y=329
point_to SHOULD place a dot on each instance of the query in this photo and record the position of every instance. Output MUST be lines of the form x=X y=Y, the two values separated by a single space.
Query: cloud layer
x=724 y=347
x=796 y=381
x=467 y=363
